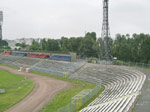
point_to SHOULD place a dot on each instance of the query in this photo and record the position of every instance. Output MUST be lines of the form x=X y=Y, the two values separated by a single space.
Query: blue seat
x=54 y=57
x=66 y=58
x=62 y=58
x=14 y=53
x=22 y=54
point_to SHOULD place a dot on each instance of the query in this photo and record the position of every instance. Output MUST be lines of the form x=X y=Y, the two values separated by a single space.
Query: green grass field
x=16 y=87
x=64 y=97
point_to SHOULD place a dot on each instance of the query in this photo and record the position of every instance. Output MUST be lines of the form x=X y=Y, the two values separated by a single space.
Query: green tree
x=92 y=34
x=23 y=45
x=4 y=43
x=65 y=44
x=17 y=44
x=75 y=44
x=135 y=48
x=35 y=46
x=52 y=45
x=89 y=47
x=121 y=48
x=44 y=44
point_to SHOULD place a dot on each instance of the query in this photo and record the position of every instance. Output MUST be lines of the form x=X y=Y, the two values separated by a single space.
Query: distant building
x=27 y=41
x=1 y=24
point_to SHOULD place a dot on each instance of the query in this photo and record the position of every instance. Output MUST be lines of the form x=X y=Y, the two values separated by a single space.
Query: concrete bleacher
x=57 y=67
x=8 y=58
x=60 y=68
x=122 y=86
x=17 y=60
x=27 y=61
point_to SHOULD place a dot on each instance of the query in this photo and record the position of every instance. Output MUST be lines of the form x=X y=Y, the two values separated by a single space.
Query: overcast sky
x=57 y=18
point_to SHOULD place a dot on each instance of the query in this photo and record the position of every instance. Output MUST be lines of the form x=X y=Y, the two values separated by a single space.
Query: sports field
x=16 y=87
x=49 y=99
x=61 y=99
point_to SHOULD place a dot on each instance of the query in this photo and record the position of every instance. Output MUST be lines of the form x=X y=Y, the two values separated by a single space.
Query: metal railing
x=138 y=64
x=129 y=63
x=77 y=103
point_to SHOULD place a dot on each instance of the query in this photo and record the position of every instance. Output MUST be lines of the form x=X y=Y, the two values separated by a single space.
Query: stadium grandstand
x=122 y=84
x=52 y=56
x=122 y=87
x=36 y=62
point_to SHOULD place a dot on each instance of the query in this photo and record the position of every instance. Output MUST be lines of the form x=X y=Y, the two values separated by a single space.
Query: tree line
x=134 y=48
x=125 y=47
x=86 y=46
x=3 y=45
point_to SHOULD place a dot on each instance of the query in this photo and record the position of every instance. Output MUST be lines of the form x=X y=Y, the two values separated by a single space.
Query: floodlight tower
x=106 y=31
x=1 y=23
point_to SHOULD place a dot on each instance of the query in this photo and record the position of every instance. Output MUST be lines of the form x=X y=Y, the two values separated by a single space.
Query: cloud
x=56 y=18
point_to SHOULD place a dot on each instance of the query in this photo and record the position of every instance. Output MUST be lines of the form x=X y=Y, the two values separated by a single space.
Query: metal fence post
x=70 y=107
x=75 y=104
x=81 y=101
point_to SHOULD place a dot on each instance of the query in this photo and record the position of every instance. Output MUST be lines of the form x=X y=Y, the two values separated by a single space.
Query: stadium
x=122 y=84
x=73 y=74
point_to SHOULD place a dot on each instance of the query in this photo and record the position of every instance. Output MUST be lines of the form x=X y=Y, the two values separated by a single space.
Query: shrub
x=92 y=60
x=118 y=62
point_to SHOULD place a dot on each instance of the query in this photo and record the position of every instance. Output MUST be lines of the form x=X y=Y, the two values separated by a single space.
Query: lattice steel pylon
x=106 y=31
x=1 y=23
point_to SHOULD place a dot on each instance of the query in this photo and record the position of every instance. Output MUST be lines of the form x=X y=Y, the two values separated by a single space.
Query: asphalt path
x=143 y=104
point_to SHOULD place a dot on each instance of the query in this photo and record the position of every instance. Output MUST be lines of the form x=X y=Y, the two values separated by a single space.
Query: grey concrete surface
x=143 y=104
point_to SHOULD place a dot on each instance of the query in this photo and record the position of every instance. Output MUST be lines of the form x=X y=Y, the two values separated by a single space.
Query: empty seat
x=7 y=53
x=22 y=54
x=61 y=58
x=54 y=57
x=14 y=54
x=32 y=55
x=66 y=58
x=42 y=56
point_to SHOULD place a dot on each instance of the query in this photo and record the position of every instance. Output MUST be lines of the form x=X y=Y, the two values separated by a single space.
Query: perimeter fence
x=78 y=102
x=138 y=64
x=129 y=63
